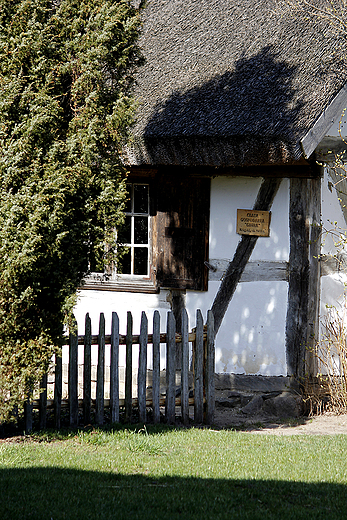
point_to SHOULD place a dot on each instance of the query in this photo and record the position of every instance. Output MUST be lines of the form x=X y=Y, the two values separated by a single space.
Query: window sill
x=100 y=282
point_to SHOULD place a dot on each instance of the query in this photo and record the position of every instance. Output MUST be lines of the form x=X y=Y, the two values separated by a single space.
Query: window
x=134 y=235
x=164 y=240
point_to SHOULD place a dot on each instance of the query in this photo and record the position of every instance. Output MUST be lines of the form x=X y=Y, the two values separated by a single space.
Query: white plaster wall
x=251 y=339
x=231 y=193
x=333 y=287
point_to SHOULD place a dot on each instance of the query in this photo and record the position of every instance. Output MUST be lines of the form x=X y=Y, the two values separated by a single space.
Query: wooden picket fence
x=199 y=371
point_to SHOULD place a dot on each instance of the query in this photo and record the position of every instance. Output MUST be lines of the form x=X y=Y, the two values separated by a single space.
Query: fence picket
x=114 y=369
x=28 y=412
x=43 y=403
x=142 y=370
x=58 y=387
x=156 y=368
x=203 y=372
x=185 y=369
x=73 y=376
x=100 y=378
x=170 y=368
x=87 y=371
x=128 y=367
x=199 y=378
x=209 y=376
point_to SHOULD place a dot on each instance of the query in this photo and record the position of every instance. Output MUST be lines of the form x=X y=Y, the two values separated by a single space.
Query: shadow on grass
x=54 y=493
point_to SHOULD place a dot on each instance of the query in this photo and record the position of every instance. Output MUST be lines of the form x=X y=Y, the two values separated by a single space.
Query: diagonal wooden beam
x=265 y=197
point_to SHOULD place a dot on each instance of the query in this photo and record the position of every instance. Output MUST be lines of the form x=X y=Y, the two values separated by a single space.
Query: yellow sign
x=252 y=222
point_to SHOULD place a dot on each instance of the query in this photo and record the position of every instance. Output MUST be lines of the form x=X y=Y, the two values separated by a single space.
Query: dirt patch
x=326 y=424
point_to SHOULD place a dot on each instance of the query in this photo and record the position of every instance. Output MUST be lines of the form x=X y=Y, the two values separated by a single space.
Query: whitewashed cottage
x=235 y=103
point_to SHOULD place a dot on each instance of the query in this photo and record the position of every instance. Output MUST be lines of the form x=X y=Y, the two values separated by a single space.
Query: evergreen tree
x=66 y=71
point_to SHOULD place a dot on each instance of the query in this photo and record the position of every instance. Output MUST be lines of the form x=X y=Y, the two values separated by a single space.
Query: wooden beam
x=303 y=290
x=255 y=271
x=265 y=197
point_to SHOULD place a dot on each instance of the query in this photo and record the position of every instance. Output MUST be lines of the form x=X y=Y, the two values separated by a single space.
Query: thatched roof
x=232 y=83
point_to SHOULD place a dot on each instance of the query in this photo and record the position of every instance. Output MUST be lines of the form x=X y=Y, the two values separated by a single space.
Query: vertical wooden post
x=314 y=279
x=87 y=371
x=170 y=368
x=303 y=297
x=199 y=375
x=185 y=368
x=142 y=371
x=114 y=369
x=129 y=368
x=100 y=380
x=28 y=411
x=73 y=376
x=210 y=368
x=156 y=367
x=58 y=386
x=43 y=403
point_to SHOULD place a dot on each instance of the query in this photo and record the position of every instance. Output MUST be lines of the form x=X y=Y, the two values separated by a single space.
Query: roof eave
x=323 y=124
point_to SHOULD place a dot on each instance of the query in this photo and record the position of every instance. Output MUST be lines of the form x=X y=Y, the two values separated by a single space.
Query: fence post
x=114 y=368
x=156 y=368
x=199 y=376
x=43 y=402
x=58 y=386
x=73 y=375
x=100 y=378
x=28 y=410
x=142 y=371
x=170 y=368
x=87 y=371
x=210 y=368
x=128 y=367
x=185 y=369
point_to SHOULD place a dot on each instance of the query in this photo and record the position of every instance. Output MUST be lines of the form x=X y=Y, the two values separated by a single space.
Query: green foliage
x=66 y=71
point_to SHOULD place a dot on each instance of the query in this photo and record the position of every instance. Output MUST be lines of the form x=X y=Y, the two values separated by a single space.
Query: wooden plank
x=333 y=264
x=210 y=369
x=314 y=276
x=135 y=402
x=128 y=367
x=87 y=371
x=170 y=369
x=43 y=403
x=303 y=290
x=58 y=388
x=185 y=368
x=156 y=367
x=265 y=197
x=199 y=375
x=255 y=271
x=73 y=377
x=100 y=378
x=136 y=339
x=28 y=412
x=142 y=371
x=114 y=369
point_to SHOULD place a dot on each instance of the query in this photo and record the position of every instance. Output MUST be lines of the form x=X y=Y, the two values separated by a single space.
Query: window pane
x=124 y=264
x=124 y=233
x=140 y=230
x=140 y=198
x=127 y=207
x=140 y=260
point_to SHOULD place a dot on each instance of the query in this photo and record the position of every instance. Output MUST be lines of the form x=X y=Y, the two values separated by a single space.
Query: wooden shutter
x=182 y=221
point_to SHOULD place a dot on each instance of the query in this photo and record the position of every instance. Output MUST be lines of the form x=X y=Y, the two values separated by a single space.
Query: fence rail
x=194 y=392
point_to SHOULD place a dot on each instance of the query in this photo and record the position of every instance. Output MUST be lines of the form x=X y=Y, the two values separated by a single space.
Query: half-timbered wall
x=251 y=339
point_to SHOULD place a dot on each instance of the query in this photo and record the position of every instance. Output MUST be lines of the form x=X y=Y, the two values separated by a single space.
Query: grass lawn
x=166 y=473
